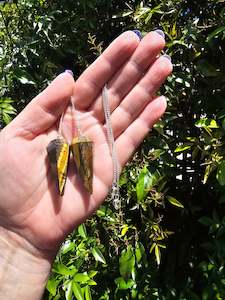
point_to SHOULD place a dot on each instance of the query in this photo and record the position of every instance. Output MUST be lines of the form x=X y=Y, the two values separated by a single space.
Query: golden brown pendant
x=58 y=154
x=82 y=148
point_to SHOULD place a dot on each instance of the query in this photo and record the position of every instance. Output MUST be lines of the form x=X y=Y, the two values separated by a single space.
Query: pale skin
x=34 y=220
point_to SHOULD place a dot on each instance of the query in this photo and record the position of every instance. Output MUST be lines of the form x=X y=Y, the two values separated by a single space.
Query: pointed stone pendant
x=82 y=149
x=58 y=154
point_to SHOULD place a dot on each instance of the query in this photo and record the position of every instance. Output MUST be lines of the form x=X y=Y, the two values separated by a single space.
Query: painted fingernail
x=160 y=32
x=69 y=71
x=138 y=33
x=167 y=56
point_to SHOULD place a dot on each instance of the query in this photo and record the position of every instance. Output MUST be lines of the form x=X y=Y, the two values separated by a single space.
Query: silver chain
x=115 y=195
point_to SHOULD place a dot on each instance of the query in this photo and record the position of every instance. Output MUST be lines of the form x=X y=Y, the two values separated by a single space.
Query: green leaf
x=207 y=69
x=91 y=282
x=87 y=293
x=106 y=213
x=67 y=247
x=92 y=273
x=152 y=247
x=82 y=231
x=146 y=182
x=6 y=118
x=69 y=290
x=182 y=148
x=215 y=33
x=206 y=123
x=208 y=171
x=174 y=202
x=52 y=285
x=77 y=291
x=205 y=221
x=139 y=251
x=157 y=254
x=124 y=230
x=221 y=173
x=98 y=255
x=23 y=77
x=81 y=277
x=59 y=268
x=127 y=263
x=124 y=285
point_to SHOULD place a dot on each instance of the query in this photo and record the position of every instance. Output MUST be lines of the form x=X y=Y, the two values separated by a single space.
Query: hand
x=29 y=205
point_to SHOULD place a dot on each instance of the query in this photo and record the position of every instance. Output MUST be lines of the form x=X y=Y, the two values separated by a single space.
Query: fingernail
x=167 y=56
x=160 y=32
x=69 y=71
x=138 y=33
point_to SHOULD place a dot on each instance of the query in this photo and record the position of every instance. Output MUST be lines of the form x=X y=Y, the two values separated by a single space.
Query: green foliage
x=167 y=241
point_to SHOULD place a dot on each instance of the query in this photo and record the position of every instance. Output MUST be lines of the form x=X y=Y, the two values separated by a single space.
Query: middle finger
x=131 y=72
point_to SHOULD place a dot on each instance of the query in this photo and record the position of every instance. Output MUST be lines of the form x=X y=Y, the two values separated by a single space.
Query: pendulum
x=58 y=154
x=83 y=157
x=82 y=149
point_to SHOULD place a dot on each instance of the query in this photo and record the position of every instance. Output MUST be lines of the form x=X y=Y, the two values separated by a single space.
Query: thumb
x=45 y=109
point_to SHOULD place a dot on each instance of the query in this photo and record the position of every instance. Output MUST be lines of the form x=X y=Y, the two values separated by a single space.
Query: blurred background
x=168 y=239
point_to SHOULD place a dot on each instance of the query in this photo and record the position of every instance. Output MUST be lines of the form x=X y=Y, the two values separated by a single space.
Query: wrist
x=24 y=270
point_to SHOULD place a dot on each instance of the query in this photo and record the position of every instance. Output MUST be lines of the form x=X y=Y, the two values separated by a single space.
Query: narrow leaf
x=77 y=291
x=98 y=255
x=182 y=148
x=82 y=231
x=87 y=293
x=52 y=285
x=174 y=202
x=157 y=254
x=80 y=277
x=221 y=173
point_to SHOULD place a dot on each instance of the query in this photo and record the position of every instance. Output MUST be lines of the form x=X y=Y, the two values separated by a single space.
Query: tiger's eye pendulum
x=82 y=149
x=58 y=154
x=83 y=157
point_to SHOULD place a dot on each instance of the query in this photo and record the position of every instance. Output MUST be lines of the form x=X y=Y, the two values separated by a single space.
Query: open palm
x=29 y=204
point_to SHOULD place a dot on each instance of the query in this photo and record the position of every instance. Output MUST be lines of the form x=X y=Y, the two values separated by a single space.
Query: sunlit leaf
x=146 y=181
x=69 y=290
x=52 y=285
x=175 y=202
x=59 y=268
x=208 y=171
x=124 y=230
x=82 y=231
x=157 y=254
x=124 y=285
x=221 y=173
x=77 y=291
x=98 y=255
x=24 y=77
x=206 y=123
x=81 y=277
x=182 y=148
x=139 y=251
x=87 y=293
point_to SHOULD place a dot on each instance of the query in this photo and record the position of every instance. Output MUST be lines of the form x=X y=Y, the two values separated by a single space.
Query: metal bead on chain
x=115 y=196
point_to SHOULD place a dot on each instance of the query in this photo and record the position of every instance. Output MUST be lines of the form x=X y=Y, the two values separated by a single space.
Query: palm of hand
x=35 y=206
x=29 y=203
